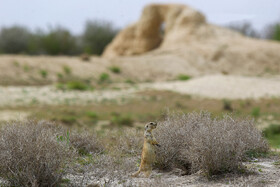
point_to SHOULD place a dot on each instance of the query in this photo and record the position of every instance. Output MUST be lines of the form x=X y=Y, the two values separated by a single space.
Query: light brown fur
x=148 y=151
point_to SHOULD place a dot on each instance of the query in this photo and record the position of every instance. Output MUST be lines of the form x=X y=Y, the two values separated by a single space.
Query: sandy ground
x=225 y=87
x=214 y=86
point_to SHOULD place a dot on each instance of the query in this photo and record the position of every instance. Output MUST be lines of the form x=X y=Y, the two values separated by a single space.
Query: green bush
x=77 y=85
x=104 y=77
x=183 y=77
x=14 y=40
x=44 y=73
x=276 y=34
x=97 y=35
x=115 y=69
x=59 y=41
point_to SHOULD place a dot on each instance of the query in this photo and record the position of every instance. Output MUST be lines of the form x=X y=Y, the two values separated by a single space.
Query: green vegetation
x=44 y=73
x=115 y=69
x=57 y=41
x=67 y=70
x=276 y=34
x=97 y=35
x=183 y=77
x=272 y=133
x=74 y=85
x=104 y=78
x=256 y=112
x=128 y=81
x=121 y=120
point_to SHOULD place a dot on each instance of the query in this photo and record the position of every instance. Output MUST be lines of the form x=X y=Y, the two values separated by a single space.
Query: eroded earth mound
x=179 y=35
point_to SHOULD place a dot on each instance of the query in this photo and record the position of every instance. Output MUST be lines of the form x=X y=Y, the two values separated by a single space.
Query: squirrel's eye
x=151 y=123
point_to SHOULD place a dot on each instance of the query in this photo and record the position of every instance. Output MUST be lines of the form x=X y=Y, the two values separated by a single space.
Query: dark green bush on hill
x=59 y=41
x=97 y=35
x=14 y=40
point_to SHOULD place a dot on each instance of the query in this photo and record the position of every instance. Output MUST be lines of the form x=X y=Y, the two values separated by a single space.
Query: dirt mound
x=147 y=34
x=181 y=34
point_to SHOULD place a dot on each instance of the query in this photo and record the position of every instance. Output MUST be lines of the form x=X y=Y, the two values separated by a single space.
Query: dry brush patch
x=32 y=153
x=197 y=141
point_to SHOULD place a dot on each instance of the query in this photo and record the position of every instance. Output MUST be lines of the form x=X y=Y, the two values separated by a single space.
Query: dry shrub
x=33 y=153
x=86 y=143
x=196 y=141
x=126 y=142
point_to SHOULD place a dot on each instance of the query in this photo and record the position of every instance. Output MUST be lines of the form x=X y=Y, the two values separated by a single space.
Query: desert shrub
x=115 y=69
x=32 y=155
x=183 y=77
x=85 y=143
x=97 y=35
x=14 y=39
x=125 y=142
x=196 y=141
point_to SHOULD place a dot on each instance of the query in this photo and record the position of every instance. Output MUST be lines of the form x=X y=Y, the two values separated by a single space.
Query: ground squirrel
x=148 y=151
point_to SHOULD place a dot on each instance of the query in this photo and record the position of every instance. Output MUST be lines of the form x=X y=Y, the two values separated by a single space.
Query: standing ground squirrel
x=148 y=151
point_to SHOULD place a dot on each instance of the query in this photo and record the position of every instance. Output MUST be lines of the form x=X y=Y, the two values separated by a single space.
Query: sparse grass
x=272 y=133
x=26 y=68
x=68 y=120
x=43 y=73
x=183 y=77
x=197 y=141
x=67 y=70
x=16 y=63
x=256 y=112
x=93 y=116
x=121 y=120
x=59 y=76
x=115 y=69
x=128 y=81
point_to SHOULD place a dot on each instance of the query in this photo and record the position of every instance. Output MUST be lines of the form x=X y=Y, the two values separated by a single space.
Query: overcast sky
x=72 y=14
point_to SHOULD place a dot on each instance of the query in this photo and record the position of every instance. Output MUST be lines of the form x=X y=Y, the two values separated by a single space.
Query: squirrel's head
x=150 y=126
